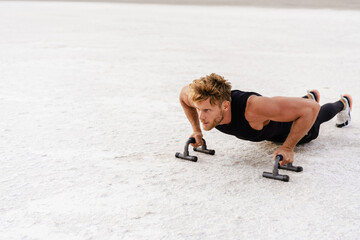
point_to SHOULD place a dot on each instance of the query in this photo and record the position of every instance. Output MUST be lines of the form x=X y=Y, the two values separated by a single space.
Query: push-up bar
x=274 y=175
x=202 y=149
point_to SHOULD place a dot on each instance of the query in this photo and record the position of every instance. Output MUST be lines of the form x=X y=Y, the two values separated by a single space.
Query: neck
x=227 y=116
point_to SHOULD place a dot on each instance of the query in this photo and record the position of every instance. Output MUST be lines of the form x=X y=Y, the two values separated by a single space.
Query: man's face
x=209 y=115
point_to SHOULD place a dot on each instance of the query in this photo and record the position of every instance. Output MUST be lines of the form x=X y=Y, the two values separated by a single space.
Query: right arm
x=192 y=116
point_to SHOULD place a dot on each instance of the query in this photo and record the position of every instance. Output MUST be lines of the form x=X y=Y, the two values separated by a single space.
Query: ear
x=226 y=105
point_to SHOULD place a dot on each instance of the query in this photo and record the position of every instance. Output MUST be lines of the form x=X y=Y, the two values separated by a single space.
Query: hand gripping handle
x=204 y=149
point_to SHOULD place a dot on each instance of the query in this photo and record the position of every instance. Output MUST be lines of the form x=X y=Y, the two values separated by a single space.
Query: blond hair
x=212 y=86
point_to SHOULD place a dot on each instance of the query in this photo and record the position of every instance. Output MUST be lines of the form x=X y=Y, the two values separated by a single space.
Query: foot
x=344 y=117
x=314 y=95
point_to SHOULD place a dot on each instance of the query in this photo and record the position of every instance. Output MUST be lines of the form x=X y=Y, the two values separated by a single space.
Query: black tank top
x=240 y=128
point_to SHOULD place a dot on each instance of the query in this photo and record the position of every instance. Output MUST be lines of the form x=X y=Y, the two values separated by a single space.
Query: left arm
x=302 y=112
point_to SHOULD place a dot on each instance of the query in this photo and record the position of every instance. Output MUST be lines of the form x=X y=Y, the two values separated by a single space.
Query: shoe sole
x=316 y=94
x=344 y=125
x=347 y=123
x=349 y=98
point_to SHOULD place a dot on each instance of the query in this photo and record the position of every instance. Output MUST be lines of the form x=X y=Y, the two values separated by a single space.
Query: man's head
x=211 y=96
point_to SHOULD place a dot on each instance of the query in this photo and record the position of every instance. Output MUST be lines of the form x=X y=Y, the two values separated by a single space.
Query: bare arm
x=302 y=112
x=192 y=116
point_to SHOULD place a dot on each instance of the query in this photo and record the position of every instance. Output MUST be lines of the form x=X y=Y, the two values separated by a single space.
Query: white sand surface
x=319 y=4
x=90 y=122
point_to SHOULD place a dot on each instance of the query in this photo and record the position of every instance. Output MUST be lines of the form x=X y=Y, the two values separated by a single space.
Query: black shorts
x=311 y=135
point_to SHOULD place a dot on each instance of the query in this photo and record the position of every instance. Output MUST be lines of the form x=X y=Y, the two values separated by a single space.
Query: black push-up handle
x=202 y=149
x=275 y=174
x=186 y=155
x=290 y=167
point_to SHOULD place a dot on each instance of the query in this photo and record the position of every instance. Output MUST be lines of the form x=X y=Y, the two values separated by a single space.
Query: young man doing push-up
x=250 y=116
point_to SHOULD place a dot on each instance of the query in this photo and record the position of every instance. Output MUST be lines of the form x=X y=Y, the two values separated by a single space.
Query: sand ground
x=320 y=4
x=90 y=122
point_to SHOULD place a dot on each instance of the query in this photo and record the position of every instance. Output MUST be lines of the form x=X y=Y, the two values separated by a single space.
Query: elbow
x=311 y=112
x=315 y=108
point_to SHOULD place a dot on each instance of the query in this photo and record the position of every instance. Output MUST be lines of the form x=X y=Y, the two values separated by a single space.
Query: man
x=250 y=116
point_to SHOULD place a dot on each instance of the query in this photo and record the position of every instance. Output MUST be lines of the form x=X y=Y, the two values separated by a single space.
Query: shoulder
x=256 y=104
x=283 y=109
x=184 y=96
x=259 y=105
